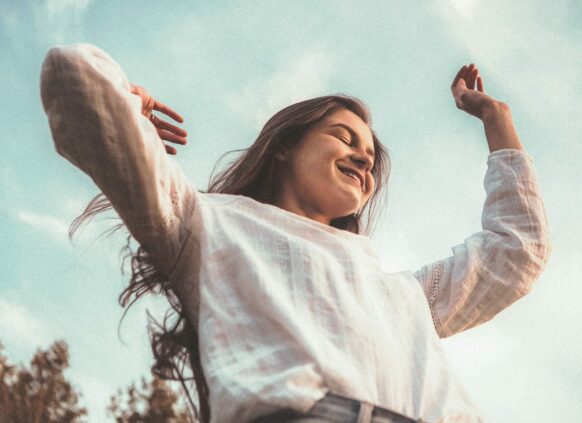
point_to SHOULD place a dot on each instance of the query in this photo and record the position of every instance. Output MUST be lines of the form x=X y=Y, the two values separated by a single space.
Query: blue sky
x=227 y=66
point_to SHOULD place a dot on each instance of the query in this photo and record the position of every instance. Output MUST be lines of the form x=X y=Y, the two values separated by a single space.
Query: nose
x=363 y=162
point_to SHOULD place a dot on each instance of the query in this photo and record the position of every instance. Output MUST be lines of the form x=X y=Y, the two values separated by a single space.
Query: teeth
x=351 y=174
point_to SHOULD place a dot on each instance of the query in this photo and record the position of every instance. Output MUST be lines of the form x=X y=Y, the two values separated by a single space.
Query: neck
x=290 y=202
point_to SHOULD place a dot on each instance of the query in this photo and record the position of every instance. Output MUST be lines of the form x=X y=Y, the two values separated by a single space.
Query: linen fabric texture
x=287 y=308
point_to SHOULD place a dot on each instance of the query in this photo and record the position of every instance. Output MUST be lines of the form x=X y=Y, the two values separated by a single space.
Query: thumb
x=461 y=83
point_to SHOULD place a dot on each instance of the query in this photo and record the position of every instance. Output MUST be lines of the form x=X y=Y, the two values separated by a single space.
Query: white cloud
x=54 y=226
x=19 y=327
x=465 y=8
x=61 y=18
x=521 y=374
x=42 y=22
x=297 y=79
x=95 y=394
x=55 y=8
x=54 y=21
x=536 y=63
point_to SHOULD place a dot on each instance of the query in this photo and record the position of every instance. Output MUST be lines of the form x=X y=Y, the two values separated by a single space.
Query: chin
x=344 y=211
x=340 y=203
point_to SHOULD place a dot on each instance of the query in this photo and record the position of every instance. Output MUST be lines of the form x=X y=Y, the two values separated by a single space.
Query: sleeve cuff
x=510 y=153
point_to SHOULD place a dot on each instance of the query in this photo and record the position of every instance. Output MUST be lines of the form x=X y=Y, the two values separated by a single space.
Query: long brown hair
x=254 y=174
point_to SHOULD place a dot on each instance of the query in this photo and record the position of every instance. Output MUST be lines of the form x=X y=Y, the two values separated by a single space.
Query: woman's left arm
x=497 y=266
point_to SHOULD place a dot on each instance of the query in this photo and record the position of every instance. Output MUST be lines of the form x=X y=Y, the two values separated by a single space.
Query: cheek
x=312 y=165
x=317 y=162
x=310 y=170
x=370 y=184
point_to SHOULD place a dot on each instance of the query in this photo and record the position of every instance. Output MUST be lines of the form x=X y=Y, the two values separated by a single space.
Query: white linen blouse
x=287 y=308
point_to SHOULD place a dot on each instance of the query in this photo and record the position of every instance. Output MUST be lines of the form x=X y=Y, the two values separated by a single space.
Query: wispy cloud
x=465 y=8
x=95 y=393
x=296 y=79
x=44 y=22
x=537 y=64
x=60 y=7
x=19 y=327
x=60 y=18
x=51 y=225
x=530 y=378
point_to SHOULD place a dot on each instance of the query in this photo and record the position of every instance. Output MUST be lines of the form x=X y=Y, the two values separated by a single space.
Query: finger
x=474 y=76
x=467 y=75
x=170 y=136
x=136 y=89
x=461 y=85
x=162 y=124
x=161 y=107
x=147 y=102
x=477 y=76
x=459 y=76
x=170 y=150
x=480 y=85
x=470 y=76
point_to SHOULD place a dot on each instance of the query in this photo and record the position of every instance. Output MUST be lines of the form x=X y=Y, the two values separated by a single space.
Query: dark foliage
x=41 y=393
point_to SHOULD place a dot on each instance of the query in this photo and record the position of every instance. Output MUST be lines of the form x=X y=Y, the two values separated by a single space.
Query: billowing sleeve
x=497 y=266
x=97 y=124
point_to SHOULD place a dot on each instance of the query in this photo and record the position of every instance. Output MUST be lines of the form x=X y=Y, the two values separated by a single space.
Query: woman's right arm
x=98 y=125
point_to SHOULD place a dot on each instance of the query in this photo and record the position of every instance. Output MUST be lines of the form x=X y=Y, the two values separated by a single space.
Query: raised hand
x=470 y=97
x=469 y=92
x=166 y=130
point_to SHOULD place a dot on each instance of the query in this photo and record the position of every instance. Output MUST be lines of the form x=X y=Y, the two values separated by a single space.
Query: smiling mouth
x=351 y=176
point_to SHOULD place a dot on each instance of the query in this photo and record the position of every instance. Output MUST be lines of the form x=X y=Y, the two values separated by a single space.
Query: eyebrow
x=354 y=135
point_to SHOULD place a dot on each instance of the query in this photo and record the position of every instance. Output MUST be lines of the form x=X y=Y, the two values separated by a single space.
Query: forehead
x=352 y=121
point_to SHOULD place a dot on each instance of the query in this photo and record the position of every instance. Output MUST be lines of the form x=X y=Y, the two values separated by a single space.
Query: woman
x=268 y=270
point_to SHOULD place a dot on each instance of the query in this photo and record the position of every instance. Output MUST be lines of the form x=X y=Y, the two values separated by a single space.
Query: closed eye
x=344 y=140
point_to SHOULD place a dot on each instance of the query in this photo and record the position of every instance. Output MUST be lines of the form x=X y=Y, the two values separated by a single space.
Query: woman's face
x=326 y=174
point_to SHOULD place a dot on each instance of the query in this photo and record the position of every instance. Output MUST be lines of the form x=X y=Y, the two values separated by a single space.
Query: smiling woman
x=284 y=311
x=319 y=173
x=299 y=153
